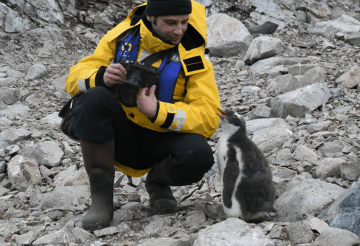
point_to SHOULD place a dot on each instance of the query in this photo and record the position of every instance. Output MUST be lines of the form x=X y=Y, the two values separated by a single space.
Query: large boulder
x=344 y=24
x=300 y=102
x=226 y=36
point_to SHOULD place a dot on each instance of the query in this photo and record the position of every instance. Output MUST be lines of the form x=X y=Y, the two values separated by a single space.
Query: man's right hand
x=114 y=74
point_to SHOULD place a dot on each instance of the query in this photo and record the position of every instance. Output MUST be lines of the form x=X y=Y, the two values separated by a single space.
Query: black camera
x=138 y=75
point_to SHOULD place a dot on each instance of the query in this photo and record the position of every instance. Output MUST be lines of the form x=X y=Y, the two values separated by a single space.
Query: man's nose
x=178 y=30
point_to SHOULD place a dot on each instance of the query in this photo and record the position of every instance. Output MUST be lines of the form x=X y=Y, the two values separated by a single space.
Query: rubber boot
x=157 y=184
x=99 y=165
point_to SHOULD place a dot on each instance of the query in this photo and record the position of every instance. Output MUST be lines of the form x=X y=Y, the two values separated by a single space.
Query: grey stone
x=72 y=177
x=309 y=196
x=47 y=153
x=37 y=71
x=3 y=191
x=59 y=83
x=337 y=237
x=23 y=171
x=59 y=237
x=157 y=242
x=9 y=96
x=132 y=206
x=354 y=39
x=12 y=135
x=300 y=69
x=52 y=119
x=81 y=234
x=318 y=127
x=232 y=232
x=48 y=11
x=299 y=232
x=250 y=89
x=155 y=225
x=3 y=166
x=26 y=238
x=263 y=47
x=106 y=231
x=14 y=74
x=299 y=102
x=331 y=148
x=260 y=112
x=7 y=82
x=350 y=171
x=269 y=63
x=344 y=24
x=329 y=167
x=326 y=45
x=205 y=3
x=303 y=153
x=318 y=225
x=266 y=28
x=122 y=215
x=7 y=229
x=341 y=109
x=284 y=154
x=226 y=36
x=195 y=218
x=10 y=20
x=278 y=232
x=15 y=110
x=123 y=227
x=351 y=78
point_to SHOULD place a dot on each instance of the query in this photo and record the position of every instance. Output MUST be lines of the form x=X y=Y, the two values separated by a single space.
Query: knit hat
x=168 y=7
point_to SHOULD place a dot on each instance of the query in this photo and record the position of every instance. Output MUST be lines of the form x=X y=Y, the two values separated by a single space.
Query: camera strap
x=156 y=56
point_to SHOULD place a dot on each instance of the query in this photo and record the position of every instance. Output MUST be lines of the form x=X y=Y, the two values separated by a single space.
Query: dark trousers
x=99 y=118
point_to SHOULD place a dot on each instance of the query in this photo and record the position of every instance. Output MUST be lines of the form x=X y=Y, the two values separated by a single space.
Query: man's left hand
x=147 y=102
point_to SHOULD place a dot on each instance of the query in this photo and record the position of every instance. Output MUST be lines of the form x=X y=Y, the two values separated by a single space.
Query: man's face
x=170 y=27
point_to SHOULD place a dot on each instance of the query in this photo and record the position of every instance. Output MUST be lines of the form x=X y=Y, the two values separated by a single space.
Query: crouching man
x=160 y=131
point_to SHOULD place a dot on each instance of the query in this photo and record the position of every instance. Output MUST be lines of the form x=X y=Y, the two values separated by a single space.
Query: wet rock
x=269 y=63
x=337 y=237
x=350 y=171
x=266 y=28
x=263 y=47
x=350 y=78
x=47 y=153
x=306 y=197
x=299 y=102
x=232 y=232
x=299 y=232
x=23 y=171
x=226 y=36
x=329 y=167
x=37 y=71
x=344 y=24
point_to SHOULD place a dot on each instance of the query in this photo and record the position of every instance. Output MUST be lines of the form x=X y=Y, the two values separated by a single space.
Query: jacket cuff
x=99 y=79
x=163 y=119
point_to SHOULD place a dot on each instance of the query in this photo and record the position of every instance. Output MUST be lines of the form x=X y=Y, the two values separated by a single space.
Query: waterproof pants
x=99 y=118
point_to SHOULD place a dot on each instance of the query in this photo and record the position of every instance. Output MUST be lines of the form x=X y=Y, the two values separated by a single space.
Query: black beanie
x=168 y=7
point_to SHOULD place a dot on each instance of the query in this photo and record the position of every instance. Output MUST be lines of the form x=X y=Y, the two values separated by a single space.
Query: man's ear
x=149 y=18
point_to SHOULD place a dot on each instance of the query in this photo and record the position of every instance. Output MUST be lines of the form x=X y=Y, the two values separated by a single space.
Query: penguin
x=248 y=191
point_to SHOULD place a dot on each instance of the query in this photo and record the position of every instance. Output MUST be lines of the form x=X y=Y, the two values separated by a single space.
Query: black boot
x=99 y=164
x=157 y=185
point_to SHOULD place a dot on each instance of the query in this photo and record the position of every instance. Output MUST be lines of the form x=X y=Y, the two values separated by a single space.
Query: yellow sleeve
x=82 y=75
x=197 y=112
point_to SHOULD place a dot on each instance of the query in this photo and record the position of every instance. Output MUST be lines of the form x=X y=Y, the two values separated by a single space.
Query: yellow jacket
x=193 y=108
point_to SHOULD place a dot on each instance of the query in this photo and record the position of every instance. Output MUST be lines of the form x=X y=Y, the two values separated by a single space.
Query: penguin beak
x=222 y=113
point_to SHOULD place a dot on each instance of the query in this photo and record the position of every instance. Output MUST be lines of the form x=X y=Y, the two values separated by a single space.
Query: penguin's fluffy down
x=248 y=191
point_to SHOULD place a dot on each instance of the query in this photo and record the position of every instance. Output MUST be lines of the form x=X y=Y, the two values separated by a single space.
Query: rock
x=59 y=83
x=318 y=225
x=326 y=44
x=37 y=71
x=299 y=232
x=299 y=102
x=232 y=232
x=354 y=39
x=195 y=218
x=337 y=237
x=69 y=197
x=72 y=177
x=306 y=197
x=253 y=126
x=269 y=63
x=318 y=127
x=3 y=166
x=329 y=167
x=260 y=112
x=59 y=237
x=12 y=135
x=106 y=231
x=156 y=224
x=11 y=22
x=131 y=206
x=13 y=111
x=47 y=153
x=52 y=119
x=263 y=47
x=350 y=78
x=122 y=215
x=23 y=171
x=300 y=69
x=303 y=153
x=350 y=170
x=284 y=155
x=157 y=242
x=329 y=148
x=250 y=89
x=7 y=81
x=7 y=229
x=48 y=11
x=278 y=232
x=344 y=24
x=266 y=28
x=26 y=238
x=226 y=36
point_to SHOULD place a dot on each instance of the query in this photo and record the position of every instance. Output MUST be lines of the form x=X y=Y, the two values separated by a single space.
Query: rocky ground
x=297 y=87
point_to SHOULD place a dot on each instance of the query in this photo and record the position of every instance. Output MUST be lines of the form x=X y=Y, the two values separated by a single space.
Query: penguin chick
x=248 y=191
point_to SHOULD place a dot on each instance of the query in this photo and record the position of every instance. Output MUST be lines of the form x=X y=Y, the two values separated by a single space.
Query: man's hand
x=114 y=74
x=147 y=102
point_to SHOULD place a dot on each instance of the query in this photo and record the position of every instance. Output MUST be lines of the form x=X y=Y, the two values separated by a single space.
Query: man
x=163 y=134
